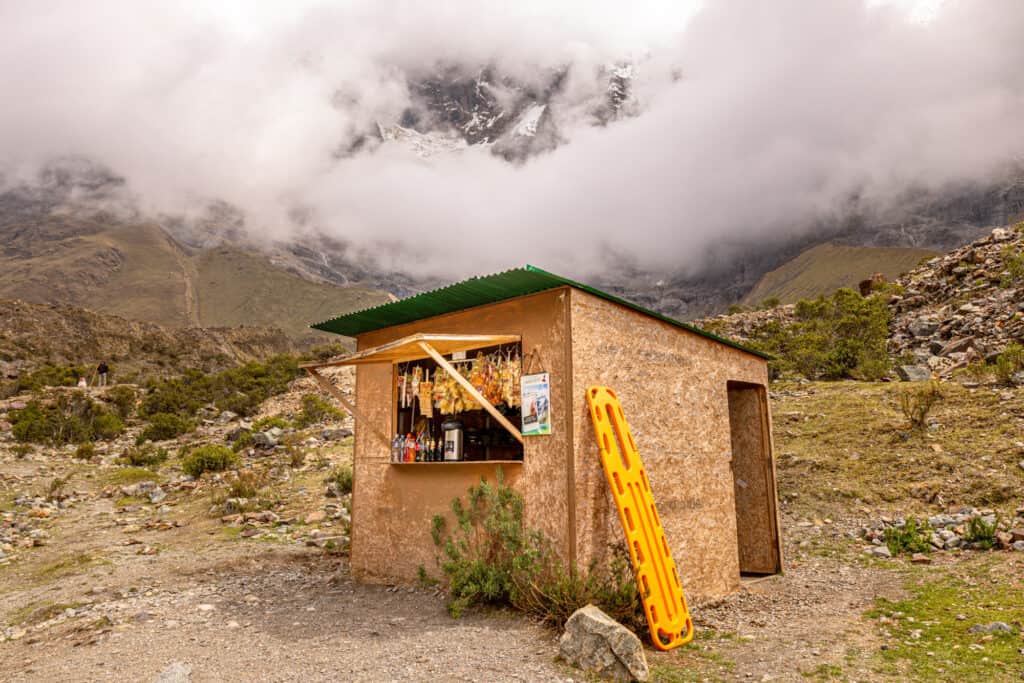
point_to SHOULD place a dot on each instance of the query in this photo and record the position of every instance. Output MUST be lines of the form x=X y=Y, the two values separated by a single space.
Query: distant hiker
x=101 y=372
x=82 y=384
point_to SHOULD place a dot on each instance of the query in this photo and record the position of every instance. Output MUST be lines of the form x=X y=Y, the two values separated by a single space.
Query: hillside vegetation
x=825 y=268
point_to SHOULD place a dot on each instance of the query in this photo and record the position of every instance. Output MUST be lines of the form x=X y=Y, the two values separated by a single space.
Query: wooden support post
x=362 y=422
x=468 y=386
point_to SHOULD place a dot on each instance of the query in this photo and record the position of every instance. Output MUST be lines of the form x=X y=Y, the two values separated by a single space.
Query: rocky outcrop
x=962 y=307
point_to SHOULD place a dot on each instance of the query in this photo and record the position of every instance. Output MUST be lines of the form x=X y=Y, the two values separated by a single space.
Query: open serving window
x=455 y=398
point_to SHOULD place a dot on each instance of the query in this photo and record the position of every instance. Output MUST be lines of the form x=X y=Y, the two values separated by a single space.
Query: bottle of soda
x=410 y=448
x=396 y=449
x=419 y=449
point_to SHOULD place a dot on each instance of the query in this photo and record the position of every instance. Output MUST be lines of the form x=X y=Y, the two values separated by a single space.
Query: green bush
x=913 y=537
x=51 y=376
x=240 y=389
x=242 y=442
x=981 y=532
x=341 y=475
x=917 y=403
x=144 y=455
x=86 y=451
x=1009 y=362
x=770 y=302
x=270 y=422
x=163 y=426
x=123 y=398
x=316 y=410
x=835 y=337
x=491 y=558
x=72 y=417
x=211 y=458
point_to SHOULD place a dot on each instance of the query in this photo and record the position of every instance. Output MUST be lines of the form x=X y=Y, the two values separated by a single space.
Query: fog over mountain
x=742 y=122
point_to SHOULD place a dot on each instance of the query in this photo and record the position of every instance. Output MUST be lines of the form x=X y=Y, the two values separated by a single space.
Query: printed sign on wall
x=536 y=395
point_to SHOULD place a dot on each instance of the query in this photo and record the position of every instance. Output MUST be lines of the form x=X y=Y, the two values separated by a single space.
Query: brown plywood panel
x=672 y=384
x=393 y=505
x=753 y=480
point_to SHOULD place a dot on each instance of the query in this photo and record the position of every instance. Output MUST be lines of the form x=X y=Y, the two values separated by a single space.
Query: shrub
x=246 y=484
x=86 y=451
x=51 y=376
x=491 y=558
x=1013 y=259
x=123 y=398
x=55 y=490
x=211 y=458
x=316 y=410
x=144 y=455
x=917 y=403
x=243 y=441
x=1009 y=362
x=240 y=389
x=163 y=426
x=341 y=476
x=270 y=422
x=835 y=337
x=770 y=302
x=981 y=532
x=913 y=537
x=72 y=418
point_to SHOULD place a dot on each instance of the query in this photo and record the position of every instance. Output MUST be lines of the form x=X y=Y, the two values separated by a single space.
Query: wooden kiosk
x=696 y=403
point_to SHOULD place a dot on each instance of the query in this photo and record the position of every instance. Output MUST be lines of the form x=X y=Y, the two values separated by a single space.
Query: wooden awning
x=416 y=347
x=410 y=348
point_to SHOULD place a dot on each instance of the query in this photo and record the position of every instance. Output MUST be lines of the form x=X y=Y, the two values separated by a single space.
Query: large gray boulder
x=914 y=373
x=595 y=642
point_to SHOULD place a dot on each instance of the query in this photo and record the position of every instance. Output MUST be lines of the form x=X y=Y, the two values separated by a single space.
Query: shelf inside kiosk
x=437 y=421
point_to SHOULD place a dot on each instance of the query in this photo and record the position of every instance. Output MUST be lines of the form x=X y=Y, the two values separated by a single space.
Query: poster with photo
x=536 y=405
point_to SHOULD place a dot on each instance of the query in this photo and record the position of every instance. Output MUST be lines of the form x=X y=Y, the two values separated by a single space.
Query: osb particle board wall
x=672 y=384
x=393 y=505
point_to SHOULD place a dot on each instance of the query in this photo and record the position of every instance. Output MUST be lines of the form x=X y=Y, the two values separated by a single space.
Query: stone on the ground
x=595 y=642
x=157 y=495
x=994 y=627
x=914 y=373
x=226 y=417
x=263 y=440
x=881 y=551
x=177 y=672
x=1018 y=546
x=920 y=558
x=335 y=434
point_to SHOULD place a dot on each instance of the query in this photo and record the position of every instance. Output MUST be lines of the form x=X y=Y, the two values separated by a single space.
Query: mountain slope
x=134 y=269
x=825 y=268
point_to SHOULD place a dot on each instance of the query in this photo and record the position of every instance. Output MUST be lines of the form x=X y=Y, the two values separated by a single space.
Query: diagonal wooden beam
x=468 y=386
x=336 y=393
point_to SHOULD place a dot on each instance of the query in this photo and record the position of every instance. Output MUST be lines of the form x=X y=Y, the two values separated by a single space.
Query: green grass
x=36 y=612
x=825 y=672
x=928 y=642
x=66 y=565
x=846 y=444
x=131 y=475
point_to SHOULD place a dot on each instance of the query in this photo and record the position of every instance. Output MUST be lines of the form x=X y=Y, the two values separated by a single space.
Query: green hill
x=827 y=267
x=137 y=271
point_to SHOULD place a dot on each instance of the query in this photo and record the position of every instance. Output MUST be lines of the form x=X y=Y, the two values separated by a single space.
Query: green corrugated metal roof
x=478 y=291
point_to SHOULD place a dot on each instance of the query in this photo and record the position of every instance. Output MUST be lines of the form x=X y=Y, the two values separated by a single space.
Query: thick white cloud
x=784 y=110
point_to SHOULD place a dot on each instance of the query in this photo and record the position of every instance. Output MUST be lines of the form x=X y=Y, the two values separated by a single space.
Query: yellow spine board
x=668 y=617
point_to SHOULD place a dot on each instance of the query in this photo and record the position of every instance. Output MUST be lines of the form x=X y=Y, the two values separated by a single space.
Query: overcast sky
x=783 y=111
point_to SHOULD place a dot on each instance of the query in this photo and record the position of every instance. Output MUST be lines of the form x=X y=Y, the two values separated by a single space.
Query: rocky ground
x=123 y=573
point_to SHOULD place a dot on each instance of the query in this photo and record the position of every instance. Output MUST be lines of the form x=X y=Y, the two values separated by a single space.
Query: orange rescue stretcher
x=668 y=617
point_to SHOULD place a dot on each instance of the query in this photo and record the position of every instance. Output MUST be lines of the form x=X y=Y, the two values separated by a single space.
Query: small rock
x=994 y=627
x=226 y=417
x=595 y=642
x=206 y=607
x=881 y=551
x=315 y=517
x=335 y=434
x=920 y=558
x=1001 y=235
x=177 y=672
x=1018 y=546
x=263 y=440
x=157 y=495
